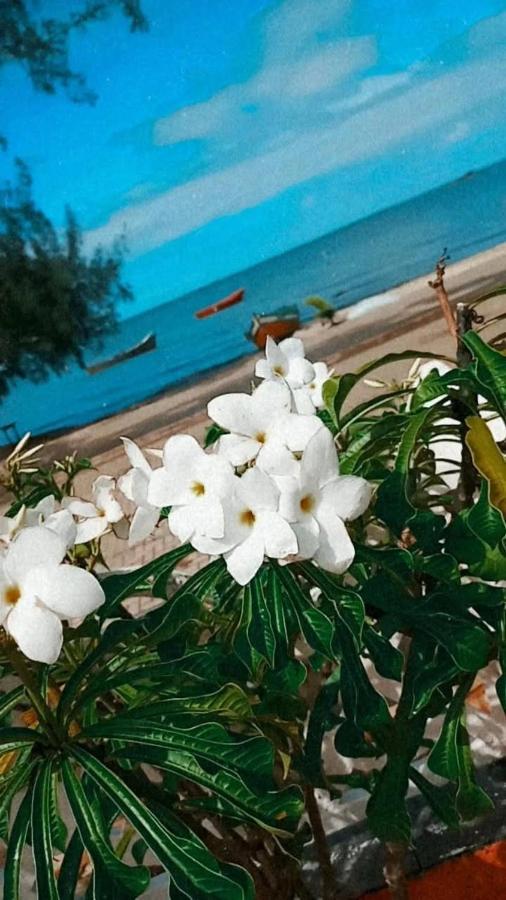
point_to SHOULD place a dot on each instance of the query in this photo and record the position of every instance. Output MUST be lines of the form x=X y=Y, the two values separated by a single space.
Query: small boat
x=148 y=343
x=279 y=324
x=229 y=300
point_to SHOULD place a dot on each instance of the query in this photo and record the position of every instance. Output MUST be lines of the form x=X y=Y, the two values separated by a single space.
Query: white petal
x=301 y=372
x=257 y=491
x=270 y=400
x=138 y=486
x=143 y=523
x=91 y=529
x=80 y=507
x=37 y=631
x=279 y=538
x=319 y=463
x=208 y=518
x=348 y=496
x=263 y=369
x=46 y=506
x=296 y=431
x=161 y=487
x=5 y=608
x=181 y=523
x=216 y=474
x=111 y=508
x=237 y=449
x=68 y=591
x=244 y=561
x=136 y=456
x=102 y=486
x=63 y=524
x=181 y=458
x=308 y=537
x=276 y=358
x=125 y=484
x=336 y=551
x=292 y=347
x=303 y=401
x=33 y=547
x=232 y=412
x=289 y=498
x=274 y=458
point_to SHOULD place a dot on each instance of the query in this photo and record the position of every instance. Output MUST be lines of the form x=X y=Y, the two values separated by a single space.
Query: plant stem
x=25 y=675
x=468 y=480
x=395 y=875
x=438 y=287
x=330 y=888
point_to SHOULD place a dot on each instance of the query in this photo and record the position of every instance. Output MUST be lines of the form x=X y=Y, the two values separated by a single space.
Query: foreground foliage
x=201 y=723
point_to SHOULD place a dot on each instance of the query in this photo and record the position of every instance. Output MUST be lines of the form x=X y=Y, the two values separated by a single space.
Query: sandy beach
x=405 y=317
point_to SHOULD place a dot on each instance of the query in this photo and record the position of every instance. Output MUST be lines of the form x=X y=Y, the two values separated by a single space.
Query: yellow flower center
x=247 y=517
x=12 y=594
x=279 y=370
x=198 y=488
x=260 y=437
x=307 y=503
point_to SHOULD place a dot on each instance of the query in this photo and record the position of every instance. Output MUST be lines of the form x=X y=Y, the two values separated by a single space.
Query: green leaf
x=387 y=815
x=58 y=827
x=444 y=758
x=438 y=798
x=17 y=840
x=388 y=661
x=42 y=843
x=317 y=628
x=120 y=587
x=322 y=718
x=485 y=521
x=70 y=868
x=132 y=881
x=260 y=629
x=277 y=811
x=10 y=700
x=190 y=865
x=229 y=701
x=17 y=738
x=209 y=742
x=490 y=369
x=350 y=741
x=488 y=460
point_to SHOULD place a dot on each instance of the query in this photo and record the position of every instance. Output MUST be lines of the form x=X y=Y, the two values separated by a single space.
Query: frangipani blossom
x=44 y=513
x=319 y=501
x=253 y=527
x=194 y=484
x=37 y=591
x=262 y=428
x=285 y=361
x=134 y=485
x=95 y=518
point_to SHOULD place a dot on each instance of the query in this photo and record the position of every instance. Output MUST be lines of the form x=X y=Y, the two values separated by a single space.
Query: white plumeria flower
x=134 y=485
x=44 y=513
x=285 y=361
x=253 y=527
x=319 y=501
x=309 y=397
x=95 y=518
x=37 y=591
x=193 y=483
x=262 y=428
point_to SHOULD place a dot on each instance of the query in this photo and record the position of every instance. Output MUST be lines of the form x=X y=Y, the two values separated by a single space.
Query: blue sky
x=235 y=129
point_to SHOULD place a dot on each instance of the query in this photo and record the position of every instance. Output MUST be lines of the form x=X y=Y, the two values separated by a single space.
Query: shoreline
x=376 y=321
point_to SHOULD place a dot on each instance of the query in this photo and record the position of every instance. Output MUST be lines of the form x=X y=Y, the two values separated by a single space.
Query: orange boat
x=278 y=325
x=230 y=300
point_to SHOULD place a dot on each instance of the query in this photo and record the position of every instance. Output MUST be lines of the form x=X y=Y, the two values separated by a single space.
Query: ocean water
x=363 y=259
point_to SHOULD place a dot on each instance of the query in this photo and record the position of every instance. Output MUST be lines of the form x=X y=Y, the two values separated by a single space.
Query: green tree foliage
x=54 y=299
x=40 y=43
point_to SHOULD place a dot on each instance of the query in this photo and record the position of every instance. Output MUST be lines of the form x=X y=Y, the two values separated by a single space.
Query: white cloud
x=303 y=56
x=426 y=106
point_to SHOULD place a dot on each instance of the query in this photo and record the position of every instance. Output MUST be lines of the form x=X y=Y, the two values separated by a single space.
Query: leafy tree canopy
x=54 y=299
x=40 y=43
